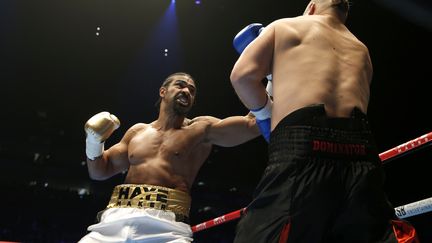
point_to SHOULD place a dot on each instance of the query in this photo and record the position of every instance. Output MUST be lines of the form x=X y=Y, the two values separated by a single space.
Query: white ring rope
x=415 y=208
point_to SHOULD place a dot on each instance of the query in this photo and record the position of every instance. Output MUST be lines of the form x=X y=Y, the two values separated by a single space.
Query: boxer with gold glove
x=98 y=128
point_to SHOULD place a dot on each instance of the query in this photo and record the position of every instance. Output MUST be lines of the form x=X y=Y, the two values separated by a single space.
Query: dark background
x=56 y=72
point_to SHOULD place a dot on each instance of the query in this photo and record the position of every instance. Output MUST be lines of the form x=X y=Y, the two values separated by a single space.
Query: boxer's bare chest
x=169 y=145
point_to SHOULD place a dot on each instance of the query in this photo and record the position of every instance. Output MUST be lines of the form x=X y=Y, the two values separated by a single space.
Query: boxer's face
x=181 y=94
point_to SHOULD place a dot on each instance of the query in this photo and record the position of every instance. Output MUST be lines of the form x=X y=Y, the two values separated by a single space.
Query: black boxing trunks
x=323 y=183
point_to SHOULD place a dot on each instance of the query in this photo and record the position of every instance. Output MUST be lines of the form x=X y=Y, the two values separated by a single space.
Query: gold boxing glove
x=98 y=128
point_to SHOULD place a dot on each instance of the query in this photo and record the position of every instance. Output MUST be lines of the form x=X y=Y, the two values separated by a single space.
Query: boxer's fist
x=246 y=36
x=98 y=128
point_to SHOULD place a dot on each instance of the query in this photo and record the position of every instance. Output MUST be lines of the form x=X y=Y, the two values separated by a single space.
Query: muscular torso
x=323 y=63
x=170 y=158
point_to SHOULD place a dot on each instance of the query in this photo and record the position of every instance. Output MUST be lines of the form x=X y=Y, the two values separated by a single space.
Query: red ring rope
x=414 y=208
x=219 y=220
x=406 y=147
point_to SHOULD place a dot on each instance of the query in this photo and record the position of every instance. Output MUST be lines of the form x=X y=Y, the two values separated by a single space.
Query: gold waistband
x=149 y=196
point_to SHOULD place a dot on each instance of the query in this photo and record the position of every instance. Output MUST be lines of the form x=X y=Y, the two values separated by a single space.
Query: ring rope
x=219 y=220
x=403 y=211
x=415 y=208
x=406 y=147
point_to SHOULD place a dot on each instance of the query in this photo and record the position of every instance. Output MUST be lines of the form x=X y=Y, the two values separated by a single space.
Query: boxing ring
x=403 y=211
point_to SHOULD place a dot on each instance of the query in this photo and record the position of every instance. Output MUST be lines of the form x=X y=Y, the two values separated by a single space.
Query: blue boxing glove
x=263 y=118
x=246 y=36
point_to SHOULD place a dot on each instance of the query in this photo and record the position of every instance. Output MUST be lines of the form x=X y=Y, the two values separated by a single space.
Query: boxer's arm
x=113 y=160
x=252 y=67
x=231 y=131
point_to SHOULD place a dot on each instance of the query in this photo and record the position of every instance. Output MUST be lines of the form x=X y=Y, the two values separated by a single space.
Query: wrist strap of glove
x=265 y=111
x=94 y=149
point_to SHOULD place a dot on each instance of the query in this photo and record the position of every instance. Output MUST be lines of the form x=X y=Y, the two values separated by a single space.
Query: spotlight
x=83 y=191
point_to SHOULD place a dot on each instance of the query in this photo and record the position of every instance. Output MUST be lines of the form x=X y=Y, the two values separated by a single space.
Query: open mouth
x=183 y=99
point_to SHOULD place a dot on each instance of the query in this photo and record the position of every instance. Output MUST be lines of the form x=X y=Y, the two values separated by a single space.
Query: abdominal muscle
x=158 y=173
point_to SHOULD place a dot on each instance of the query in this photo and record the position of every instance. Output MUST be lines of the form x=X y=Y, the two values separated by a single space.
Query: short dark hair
x=170 y=78
x=168 y=81
x=343 y=6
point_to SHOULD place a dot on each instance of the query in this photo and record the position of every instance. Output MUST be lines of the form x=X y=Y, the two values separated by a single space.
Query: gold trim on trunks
x=149 y=196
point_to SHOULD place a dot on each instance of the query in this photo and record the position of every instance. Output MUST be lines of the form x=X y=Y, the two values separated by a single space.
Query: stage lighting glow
x=197 y=2
x=83 y=191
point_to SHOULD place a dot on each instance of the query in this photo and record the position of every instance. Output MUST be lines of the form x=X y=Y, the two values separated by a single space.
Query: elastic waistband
x=308 y=132
x=315 y=115
x=150 y=196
